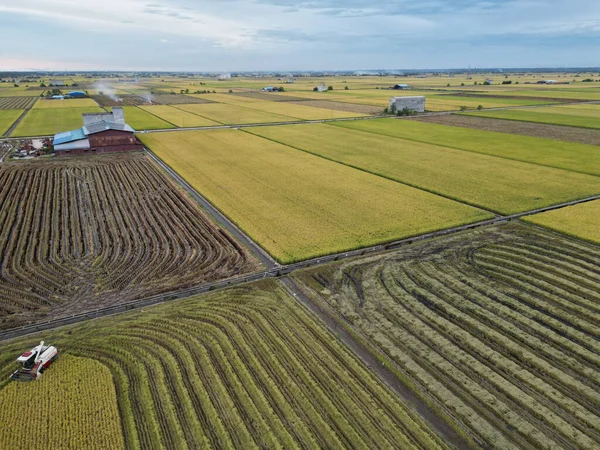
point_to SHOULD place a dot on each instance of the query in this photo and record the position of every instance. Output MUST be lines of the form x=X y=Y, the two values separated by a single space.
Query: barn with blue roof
x=100 y=133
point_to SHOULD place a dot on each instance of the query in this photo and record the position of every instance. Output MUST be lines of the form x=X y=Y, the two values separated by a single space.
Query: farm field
x=178 y=117
x=20 y=92
x=546 y=152
x=586 y=94
x=242 y=368
x=297 y=205
x=300 y=111
x=73 y=405
x=121 y=100
x=17 y=102
x=496 y=327
x=341 y=106
x=80 y=233
x=580 y=221
x=512 y=127
x=533 y=115
x=178 y=99
x=226 y=114
x=42 y=122
x=139 y=119
x=581 y=110
x=498 y=184
x=7 y=118
x=67 y=103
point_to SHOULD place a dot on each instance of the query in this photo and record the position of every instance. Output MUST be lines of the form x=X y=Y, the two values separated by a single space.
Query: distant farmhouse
x=101 y=133
x=270 y=89
x=57 y=83
x=401 y=86
x=416 y=103
x=320 y=88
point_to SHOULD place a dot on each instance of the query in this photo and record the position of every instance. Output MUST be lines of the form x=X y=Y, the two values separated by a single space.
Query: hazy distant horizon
x=285 y=35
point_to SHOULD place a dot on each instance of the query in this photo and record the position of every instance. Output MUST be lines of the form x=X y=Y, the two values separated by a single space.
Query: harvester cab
x=35 y=362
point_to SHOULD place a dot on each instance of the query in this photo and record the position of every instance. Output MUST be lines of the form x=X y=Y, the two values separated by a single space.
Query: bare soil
x=558 y=132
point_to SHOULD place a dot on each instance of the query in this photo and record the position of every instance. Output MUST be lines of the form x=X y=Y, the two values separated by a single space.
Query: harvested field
x=299 y=110
x=502 y=185
x=178 y=99
x=498 y=328
x=296 y=205
x=511 y=96
x=340 y=106
x=66 y=103
x=17 y=102
x=88 y=232
x=542 y=151
x=245 y=368
x=124 y=100
x=8 y=118
x=273 y=97
x=533 y=115
x=581 y=221
x=556 y=132
x=43 y=122
x=75 y=407
x=177 y=116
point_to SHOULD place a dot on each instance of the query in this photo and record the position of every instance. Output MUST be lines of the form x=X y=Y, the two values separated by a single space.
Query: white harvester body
x=35 y=362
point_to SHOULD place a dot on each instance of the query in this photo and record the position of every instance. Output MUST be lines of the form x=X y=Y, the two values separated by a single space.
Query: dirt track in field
x=558 y=132
x=84 y=233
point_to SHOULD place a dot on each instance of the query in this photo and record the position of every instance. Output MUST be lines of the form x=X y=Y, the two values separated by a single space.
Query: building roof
x=86 y=130
x=77 y=93
x=69 y=136
x=105 y=125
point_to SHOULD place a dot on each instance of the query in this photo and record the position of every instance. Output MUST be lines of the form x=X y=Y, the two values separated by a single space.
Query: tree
x=345 y=88
x=479 y=107
x=42 y=84
x=330 y=88
x=462 y=84
x=16 y=85
x=281 y=89
x=315 y=89
x=463 y=108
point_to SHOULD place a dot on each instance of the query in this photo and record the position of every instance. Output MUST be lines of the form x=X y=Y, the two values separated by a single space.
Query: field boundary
x=274 y=272
x=16 y=123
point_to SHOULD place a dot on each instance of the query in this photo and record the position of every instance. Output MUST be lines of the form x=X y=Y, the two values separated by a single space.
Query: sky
x=280 y=35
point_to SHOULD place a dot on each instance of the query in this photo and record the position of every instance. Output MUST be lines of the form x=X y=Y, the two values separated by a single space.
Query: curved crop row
x=499 y=330
x=243 y=368
x=75 y=235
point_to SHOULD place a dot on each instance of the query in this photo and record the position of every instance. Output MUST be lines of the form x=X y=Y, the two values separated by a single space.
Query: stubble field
x=498 y=328
x=83 y=233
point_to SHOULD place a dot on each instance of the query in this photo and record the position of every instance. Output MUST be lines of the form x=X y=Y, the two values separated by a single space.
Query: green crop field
x=497 y=184
x=548 y=152
x=7 y=118
x=178 y=117
x=41 y=122
x=139 y=119
x=245 y=368
x=565 y=93
x=581 y=221
x=496 y=327
x=533 y=115
x=233 y=114
x=585 y=110
x=297 y=205
x=67 y=103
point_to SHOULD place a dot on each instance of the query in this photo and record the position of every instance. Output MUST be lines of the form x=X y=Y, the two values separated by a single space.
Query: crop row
x=243 y=368
x=500 y=331
x=77 y=235
x=17 y=102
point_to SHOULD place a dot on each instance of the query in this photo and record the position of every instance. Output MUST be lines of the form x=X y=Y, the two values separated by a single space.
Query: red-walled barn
x=101 y=133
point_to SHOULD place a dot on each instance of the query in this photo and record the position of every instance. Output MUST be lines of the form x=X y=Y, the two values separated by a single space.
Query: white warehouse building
x=416 y=103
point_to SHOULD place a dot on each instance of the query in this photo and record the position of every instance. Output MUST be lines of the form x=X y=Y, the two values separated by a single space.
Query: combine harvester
x=35 y=362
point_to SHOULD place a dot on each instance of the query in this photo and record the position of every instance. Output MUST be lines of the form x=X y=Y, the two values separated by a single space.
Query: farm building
x=101 y=133
x=401 y=86
x=57 y=83
x=270 y=89
x=413 y=103
x=58 y=97
x=77 y=94
x=320 y=88
x=547 y=82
